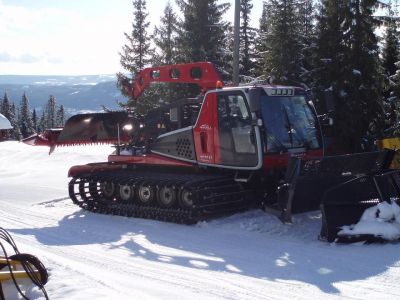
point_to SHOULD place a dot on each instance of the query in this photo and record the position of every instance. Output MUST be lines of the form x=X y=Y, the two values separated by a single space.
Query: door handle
x=203 y=141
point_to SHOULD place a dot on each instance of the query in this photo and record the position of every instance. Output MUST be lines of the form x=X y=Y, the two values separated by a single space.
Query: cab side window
x=235 y=131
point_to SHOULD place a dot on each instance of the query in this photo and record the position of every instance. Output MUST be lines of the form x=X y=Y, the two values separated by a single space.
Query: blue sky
x=71 y=37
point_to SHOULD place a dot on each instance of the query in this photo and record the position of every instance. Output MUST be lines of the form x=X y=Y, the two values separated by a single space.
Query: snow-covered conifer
x=203 y=30
x=50 y=113
x=42 y=122
x=282 y=60
x=261 y=46
x=307 y=38
x=8 y=110
x=136 y=53
x=347 y=58
x=247 y=39
x=60 y=116
x=35 y=120
x=165 y=37
x=15 y=132
x=25 y=118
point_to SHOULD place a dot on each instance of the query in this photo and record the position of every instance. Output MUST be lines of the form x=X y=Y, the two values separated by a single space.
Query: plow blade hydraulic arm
x=342 y=186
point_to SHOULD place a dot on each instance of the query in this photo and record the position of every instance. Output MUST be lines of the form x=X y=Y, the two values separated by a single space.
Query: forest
x=329 y=47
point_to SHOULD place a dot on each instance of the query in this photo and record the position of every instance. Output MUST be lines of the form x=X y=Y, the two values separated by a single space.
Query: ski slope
x=245 y=256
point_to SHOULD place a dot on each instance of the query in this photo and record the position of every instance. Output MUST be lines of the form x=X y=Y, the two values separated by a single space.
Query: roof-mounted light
x=279 y=92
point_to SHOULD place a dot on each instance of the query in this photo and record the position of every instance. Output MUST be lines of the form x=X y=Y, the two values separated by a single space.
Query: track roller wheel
x=145 y=194
x=185 y=199
x=94 y=188
x=166 y=196
x=108 y=189
x=126 y=192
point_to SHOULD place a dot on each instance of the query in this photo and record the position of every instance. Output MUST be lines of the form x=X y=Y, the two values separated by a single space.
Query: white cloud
x=5 y=57
x=56 y=41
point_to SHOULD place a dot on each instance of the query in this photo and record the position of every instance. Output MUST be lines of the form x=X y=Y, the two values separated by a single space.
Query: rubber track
x=212 y=195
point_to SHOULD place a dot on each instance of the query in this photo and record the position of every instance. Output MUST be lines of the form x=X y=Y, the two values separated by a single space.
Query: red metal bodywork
x=201 y=73
x=148 y=159
x=118 y=162
x=204 y=132
x=47 y=138
x=280 y=161
x=93 y=167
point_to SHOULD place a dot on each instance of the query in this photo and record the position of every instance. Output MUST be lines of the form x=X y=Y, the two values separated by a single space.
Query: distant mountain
x=56 y=80
x=76 y=93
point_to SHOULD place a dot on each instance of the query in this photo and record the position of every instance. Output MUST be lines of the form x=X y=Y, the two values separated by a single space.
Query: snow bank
x=4 y=123
x=382 y=220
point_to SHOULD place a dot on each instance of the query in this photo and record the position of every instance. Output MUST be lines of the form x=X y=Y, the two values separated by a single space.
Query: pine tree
x=50 y=113
x=347 y=55
x=396 y=82
x=203 y=31
x=5 y=106
x=25 y=118
x=390 y=55
x=330 y=51
x=15 y=133
x=42 y=122
x=167 y=53
x=165 y=37
x=60 y=116
x=247 y=39
x=307 y=39
x=283 y=59
x=9 y=111
x=136 y=53
x=363 y=83
x=261 y=47
x=35 y=120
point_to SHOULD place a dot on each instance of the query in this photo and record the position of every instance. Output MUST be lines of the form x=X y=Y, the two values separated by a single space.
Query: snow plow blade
x=96 y=128
x=343 y=186
x=345 y=208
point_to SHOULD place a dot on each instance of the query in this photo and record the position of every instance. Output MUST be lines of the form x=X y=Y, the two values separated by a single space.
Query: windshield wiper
x=288 y=126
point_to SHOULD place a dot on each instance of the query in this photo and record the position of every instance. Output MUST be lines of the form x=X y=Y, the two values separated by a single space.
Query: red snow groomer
x=229 y=149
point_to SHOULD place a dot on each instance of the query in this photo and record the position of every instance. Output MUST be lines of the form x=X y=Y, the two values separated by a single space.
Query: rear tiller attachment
x=92 y=128
x=344 y=187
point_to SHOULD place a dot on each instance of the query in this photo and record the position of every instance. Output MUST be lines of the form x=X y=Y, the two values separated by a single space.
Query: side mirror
x=254 y=99
x=326 y=119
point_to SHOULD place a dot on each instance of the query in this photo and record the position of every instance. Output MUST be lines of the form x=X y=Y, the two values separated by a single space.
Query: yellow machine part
x=16 y=269
x=394 y=144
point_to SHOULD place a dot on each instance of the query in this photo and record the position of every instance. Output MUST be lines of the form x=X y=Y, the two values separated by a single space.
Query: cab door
x=203 y=131
x=225 y=133
x=237 y=138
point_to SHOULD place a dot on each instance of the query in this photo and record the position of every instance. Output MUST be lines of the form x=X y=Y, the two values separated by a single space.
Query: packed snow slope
x=245 y=256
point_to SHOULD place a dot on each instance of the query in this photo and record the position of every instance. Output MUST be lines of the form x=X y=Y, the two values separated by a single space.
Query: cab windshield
x=290 y=123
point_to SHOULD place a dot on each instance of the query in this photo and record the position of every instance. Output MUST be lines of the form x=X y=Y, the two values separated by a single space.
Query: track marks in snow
x=51 y=203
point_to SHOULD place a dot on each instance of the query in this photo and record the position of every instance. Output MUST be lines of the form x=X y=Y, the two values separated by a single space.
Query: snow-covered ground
x=245 y=256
